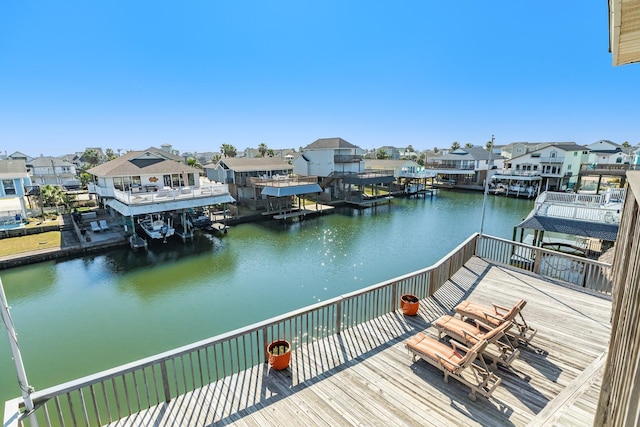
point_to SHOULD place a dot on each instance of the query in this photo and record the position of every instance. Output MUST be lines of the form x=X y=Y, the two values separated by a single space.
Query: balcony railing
x=551 y=159
x=281 y=181
x=609 y=167
x=160 y=196
x=128 y=389
x=347 y=158
x=603 y=208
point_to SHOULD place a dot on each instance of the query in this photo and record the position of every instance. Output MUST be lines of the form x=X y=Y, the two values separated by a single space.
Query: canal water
x=80 y=316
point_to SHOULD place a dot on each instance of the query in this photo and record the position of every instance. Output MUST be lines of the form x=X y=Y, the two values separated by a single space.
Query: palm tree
x=228 y=150
x=91 y=156
x=192 y=161
x=455 y=146
x=626 y=144
x=468 y=145
x=51 y=195
x=381 y=154
x=109 y=154
x=270 y=153
x=262 y=149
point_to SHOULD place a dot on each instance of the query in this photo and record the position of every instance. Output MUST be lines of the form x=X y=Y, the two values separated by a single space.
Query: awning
x=148 y=208
x=291 y=190
x=595 y=230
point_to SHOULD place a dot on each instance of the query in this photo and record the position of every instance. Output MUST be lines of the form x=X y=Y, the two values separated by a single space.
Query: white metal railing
x=128 y=389
x=603 y=208
x=162 y=195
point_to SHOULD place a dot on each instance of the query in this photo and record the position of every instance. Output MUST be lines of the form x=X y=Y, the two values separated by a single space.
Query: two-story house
x=14 y=180
x=606 y=166
x=467 y=167
x=140 y=184
x=262 y=183
x=555 y=164
x=52 y=170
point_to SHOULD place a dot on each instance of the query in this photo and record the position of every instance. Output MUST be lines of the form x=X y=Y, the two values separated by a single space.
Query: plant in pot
x=409 y=304
x=279 y=353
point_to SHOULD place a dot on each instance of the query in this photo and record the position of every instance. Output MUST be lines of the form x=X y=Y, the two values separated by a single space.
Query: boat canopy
x=292 y=190
x=574 y=227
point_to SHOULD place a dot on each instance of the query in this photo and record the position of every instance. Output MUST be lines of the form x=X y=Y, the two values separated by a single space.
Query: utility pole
x=486 y=186
x=15 y=351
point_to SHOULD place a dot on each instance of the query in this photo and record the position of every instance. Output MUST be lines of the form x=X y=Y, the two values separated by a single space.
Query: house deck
x=365 y=375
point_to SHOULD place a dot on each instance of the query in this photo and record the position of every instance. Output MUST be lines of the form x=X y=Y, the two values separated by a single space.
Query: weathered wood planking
x=365 y=375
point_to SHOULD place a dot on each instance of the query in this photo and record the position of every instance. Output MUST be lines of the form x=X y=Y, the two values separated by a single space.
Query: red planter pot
x=279 y=353
x=409 y=304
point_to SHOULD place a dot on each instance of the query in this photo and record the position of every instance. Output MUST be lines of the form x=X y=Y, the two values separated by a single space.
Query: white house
x=153 y=181
x=326 y=156
x=52 y=170
x=605 y=152
x=558 y=164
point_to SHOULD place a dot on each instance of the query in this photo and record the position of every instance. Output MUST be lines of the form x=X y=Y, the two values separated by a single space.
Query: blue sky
x=199 y=74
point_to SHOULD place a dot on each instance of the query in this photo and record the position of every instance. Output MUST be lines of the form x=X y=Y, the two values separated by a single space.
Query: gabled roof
x=47 y=161
x=250 y=164
x=470 y=153
x=564 y=146
x=142 y=163
x=329 y=143
x=18 y=155
x=614 y=147
x=13 y=168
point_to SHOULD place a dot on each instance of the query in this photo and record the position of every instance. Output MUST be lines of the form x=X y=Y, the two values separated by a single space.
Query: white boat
x=156 y=227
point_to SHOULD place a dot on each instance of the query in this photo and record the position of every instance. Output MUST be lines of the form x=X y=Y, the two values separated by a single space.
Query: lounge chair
x=470 y=333
x=455 y=364
x=103 y=225
x=95 y=227
x=495 y=315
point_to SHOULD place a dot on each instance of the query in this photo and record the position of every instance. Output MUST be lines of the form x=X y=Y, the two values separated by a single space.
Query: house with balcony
x=606 y=166
x=47 y=170
x=262 y=183
x=553 y=167
x=466 y=167
x=14 y=180
x=153 y=181
x=340 y=168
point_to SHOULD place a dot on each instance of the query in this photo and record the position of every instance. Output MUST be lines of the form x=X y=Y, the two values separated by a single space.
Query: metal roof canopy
x=148 y=208
x=291 y=190
x=595 y=230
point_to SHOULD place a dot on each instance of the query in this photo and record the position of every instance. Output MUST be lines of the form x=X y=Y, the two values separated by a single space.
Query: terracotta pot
x=409 y=304
x=279 y=354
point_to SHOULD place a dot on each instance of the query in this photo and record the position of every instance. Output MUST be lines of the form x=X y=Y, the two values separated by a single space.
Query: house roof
x=475 y=153
x=564 y=146
x=13 y=168
x=624 y=31
x=142 y=163
x=46 y=161
x=329 y=143
x=249 y=164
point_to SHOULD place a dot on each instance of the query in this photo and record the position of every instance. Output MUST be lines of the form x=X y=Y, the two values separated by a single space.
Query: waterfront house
x=52 y=171
x=153 y=181
x=409 y=176
x=605 y=166
x=14 y=179
x=19 y=156
x=262 y=183
x=467 y=167
x=557 y=165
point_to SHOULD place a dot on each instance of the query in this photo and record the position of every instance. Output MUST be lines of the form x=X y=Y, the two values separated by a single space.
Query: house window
x=568 y=167
x=535 y=167
x=619 y=160
x=9 y=187
x=575 y=154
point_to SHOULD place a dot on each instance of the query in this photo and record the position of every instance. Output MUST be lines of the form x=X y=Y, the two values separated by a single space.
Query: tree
x=192 y=161
x=626 y=144
x=270 y=153
x=436 y=150
x=91 y=156
x=410 y=148
x=382 y=154
x=51 y=195
x=262 y=149
x=455 y=145
x=468 y=145
x=109 y=154
x=85 y=179
x=228 y=150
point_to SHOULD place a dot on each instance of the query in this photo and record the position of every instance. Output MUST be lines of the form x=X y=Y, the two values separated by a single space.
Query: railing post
x=394 y=297
x=165 y=381
x=265 y=343
x=339 y=317
x=537 y=261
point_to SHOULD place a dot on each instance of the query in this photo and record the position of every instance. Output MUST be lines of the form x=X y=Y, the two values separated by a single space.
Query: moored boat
x=156 y=227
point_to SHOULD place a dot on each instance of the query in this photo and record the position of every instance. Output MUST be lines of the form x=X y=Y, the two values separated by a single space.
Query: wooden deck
x=364 y=376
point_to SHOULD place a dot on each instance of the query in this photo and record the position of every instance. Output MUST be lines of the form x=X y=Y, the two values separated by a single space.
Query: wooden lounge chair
x=95 y=227
x=495 y=315
x=103 y=225
x=470 y=333
x=455 y=364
